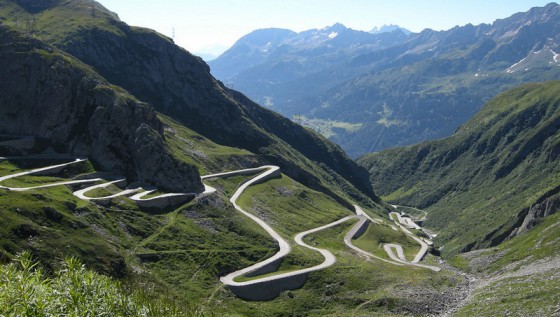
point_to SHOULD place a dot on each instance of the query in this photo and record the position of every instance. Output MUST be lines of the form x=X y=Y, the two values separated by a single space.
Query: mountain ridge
x=480 y=184
x=89 y=119
x=179 y=84
x=391 y=92
x=135 y=103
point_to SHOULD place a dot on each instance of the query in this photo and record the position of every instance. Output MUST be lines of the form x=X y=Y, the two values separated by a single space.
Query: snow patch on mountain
x=513 y=67
x=555 y=56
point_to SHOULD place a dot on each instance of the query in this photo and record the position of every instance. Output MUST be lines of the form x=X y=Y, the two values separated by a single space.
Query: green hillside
x=147 y=115
x=179 y=253
x=480 y=184
x=521 y=276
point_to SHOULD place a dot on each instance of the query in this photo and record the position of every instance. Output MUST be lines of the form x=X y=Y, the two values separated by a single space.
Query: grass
x=341 y=289
x=27 y=290
x=182 y=253
x=522 y=272
x=539 y=243
x=280 y=202
x=413 y=212
x=400 y=192
x=376 y=235
x=385 y=119
x=460 y=262
x=517 y=296
x=189 y=146
x=16 y=166
x=47 y=26
x=291 y=206
x=477 y=183
x=327 y=128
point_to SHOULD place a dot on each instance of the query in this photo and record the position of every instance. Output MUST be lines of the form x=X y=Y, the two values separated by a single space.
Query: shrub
x=25 y=290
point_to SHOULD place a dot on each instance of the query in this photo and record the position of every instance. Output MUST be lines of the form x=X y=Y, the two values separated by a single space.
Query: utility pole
x=173 y=33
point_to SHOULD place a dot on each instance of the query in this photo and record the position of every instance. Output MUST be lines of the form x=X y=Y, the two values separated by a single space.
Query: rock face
x=54 y=97
x=156 y=71
x=178 y=84
x=547 y=207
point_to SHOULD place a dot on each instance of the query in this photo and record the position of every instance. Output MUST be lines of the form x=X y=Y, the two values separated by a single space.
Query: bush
x=25 y=290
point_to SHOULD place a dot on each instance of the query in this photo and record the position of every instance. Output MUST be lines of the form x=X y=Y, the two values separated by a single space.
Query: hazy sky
x=214 y=25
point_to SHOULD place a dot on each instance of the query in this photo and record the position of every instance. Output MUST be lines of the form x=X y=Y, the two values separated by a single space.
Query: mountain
x=495 y=178
x=88 y=118
x=389 y=28
x=253 y=48
x=151 y=68
x=492 y=196
x=372 y=93
x=80 y=82
x=71 y=98
x=270 y=57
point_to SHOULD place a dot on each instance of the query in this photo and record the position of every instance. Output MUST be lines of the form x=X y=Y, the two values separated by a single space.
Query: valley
x=255 y=286
x=392 y=88
x=125 y=163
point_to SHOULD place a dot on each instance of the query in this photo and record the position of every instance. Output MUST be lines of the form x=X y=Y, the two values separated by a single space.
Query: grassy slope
x=523 y=274
x=478 y=183
x=377 y=235
x=351 y=286
x=181 y=253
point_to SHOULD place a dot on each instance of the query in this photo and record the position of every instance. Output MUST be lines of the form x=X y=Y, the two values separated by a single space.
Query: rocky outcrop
x=178 y=84
x=156 y=71
x=55 y=98
x=545 y=207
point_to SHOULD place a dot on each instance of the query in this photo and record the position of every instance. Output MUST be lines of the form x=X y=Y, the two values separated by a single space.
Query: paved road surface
x=266 y=172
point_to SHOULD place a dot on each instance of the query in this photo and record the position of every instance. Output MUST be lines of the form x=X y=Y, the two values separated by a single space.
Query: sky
x=212 y=26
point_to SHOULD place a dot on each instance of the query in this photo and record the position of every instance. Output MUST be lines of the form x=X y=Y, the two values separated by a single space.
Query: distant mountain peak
x=338 y=26
x=264 y=36
x=388 y=28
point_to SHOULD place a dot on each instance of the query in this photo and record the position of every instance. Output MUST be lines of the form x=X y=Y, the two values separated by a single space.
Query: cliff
x=176 y=83
x=52 y=96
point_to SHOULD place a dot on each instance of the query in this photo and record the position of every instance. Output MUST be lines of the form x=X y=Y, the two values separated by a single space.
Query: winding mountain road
x=159 y=201
x=53 y=169
x=423 y=246
x=270 y=285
